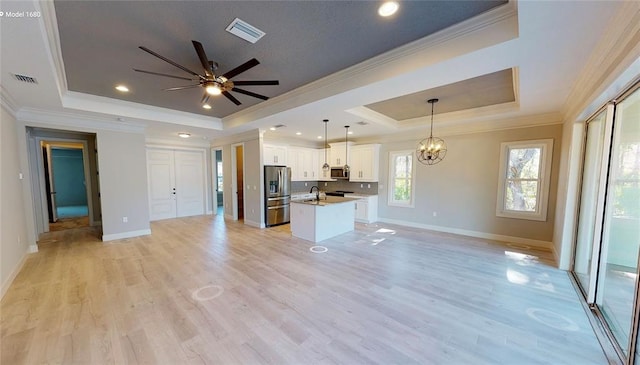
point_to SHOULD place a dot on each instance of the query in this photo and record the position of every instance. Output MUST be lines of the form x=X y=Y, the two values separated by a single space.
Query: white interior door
x=189 y=183
x=53 y=206
x=162 y=187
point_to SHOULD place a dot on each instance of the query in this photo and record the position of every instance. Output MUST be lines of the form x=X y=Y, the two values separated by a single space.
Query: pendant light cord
x=431 y=132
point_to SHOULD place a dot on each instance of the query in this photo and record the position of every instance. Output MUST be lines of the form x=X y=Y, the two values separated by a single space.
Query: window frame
x=392 y=177
x=544 y=179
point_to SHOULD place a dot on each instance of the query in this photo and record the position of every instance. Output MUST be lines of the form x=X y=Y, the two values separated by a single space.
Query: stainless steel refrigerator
x=277 y=189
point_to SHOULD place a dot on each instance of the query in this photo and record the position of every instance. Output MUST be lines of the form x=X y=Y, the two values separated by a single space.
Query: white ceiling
x=547 y=43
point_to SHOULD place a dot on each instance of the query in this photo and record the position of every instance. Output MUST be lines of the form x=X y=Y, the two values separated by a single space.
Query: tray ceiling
x=304 y=41
x=486 y=90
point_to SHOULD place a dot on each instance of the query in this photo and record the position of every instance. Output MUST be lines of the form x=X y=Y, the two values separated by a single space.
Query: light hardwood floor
x=201 y=290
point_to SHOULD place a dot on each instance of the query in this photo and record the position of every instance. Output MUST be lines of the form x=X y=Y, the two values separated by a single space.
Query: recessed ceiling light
x=298 y=133
x=122 y=88
x=184 y=135
x=388 y=8
x=350 y=132
x=319 y=137
x=272 y=128
x=206 y=106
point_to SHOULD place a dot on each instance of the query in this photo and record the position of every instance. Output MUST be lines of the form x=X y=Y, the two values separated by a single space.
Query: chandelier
x=431 y=150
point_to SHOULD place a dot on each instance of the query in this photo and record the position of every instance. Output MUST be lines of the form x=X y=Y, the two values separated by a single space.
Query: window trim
x=544 y=179
x=390 y=200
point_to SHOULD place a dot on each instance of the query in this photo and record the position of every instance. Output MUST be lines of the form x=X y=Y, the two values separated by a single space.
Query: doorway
x=66 y=185
x=237 y=165
x=218 y=182
x=176 y=183
x=607 y=244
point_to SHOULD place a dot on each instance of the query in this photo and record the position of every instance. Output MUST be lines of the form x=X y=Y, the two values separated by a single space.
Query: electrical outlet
x=125 y=219
x=368 y=186
x=361 y=186
x=325 y=184
x=305 y=184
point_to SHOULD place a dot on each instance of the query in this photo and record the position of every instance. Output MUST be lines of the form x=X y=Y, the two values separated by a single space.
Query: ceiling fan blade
x=181 y=87
x=230 y=97
x=256 y=83
x=161 y=74
x=203 y=58
x=170 y=62
x=242 y=68
x=241 y=91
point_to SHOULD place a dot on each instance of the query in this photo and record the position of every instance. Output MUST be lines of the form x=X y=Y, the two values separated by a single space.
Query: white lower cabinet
x=366 y=208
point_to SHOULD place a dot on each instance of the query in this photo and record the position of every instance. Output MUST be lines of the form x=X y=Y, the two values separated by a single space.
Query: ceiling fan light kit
x=211 y=83
x=431 y=150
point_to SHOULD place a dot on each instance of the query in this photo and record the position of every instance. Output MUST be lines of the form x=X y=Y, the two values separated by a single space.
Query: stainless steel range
x=338 y=193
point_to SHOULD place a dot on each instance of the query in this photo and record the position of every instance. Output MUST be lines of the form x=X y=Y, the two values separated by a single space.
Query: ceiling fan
x=213 y=84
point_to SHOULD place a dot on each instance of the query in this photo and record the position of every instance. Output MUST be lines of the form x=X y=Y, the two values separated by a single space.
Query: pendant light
x=345 y=168
x=431 y=150
x=326 y=166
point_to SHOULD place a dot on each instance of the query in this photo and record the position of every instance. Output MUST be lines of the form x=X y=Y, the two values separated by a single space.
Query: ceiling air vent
x=362 y=122
x=27 y=79
x=245 y=30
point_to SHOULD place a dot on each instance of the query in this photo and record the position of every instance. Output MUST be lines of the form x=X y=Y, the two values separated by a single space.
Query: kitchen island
x=318 y=220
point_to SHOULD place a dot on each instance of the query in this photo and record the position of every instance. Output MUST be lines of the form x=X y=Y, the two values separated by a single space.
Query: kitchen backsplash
x=300 y=187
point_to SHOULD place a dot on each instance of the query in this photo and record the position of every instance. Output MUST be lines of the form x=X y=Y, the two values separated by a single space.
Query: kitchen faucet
x=317 y=192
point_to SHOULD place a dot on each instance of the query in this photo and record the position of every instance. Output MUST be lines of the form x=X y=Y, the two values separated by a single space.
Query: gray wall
x=252 y=182
x=462 y=189
x=123 y=182
x=13 y=228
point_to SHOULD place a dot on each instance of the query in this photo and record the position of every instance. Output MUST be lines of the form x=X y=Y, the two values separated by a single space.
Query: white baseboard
x=254 y=224
x=32 y=249
x=12 y=276
x=119 y=236
x=546 y=245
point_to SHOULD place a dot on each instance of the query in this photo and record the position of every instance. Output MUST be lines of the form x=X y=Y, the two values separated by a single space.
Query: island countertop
x=316 y=221
x=324 y=201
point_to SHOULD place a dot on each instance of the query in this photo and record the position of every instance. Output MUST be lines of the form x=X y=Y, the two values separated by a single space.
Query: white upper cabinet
x=274 y=155
x=323 y=175
x=304 y=163
x=339 y=153
x=364 y=163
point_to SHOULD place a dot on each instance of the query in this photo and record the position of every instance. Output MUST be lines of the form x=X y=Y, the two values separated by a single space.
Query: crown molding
x=8 y=102
x=52 y=37
x=76 y=121
x=493 y=27
x=236 y=138
x=616 y=52
x=463 y=128
x=137 y=111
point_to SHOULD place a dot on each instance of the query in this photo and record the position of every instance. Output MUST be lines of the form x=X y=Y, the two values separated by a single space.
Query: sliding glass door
x=607 y=245
x=588 y=224
x=616 y=284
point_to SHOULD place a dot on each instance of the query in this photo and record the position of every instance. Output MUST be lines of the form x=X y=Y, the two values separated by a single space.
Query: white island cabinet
x=317 y=221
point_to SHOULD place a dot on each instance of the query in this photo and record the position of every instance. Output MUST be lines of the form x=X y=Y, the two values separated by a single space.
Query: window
x=401 y=179
x=219 y=175
x=523 y=186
